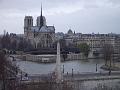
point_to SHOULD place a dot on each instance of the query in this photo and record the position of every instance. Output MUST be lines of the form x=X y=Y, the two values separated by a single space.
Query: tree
x=84 y=48
x=5 y=41
x=2 y=68
x=108 y=54
x=8 y=72
x=13 y=45
x=22 y=45
x=96 y=53
x=62 y=43
x=64 y=56
x=2 y=64
x=0 y=43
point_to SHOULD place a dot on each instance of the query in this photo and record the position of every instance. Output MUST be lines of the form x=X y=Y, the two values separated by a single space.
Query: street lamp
x=63 y=68
x=96 y=67
x=72 y=72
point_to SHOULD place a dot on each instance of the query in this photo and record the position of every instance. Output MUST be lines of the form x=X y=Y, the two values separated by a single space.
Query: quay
x=72 y=77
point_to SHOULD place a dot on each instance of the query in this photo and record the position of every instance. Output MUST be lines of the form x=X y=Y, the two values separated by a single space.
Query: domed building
x=39 y=35
x=70 y=32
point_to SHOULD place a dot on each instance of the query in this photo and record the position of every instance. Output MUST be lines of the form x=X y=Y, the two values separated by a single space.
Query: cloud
x=115 y=1
x=53 y=7
x=63 y=13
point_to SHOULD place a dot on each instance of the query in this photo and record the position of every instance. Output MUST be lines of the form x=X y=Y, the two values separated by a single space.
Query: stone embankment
x=50 y=58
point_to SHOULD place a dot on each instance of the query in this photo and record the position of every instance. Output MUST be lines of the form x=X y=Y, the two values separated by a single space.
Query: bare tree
x=108 y=52
x=7 y=73
x=2 y=68
x=5 y=41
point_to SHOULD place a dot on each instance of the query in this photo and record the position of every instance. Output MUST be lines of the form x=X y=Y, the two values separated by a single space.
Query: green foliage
x=84 y=48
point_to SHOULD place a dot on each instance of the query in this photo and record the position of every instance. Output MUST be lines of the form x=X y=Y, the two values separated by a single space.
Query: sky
x=82 y=16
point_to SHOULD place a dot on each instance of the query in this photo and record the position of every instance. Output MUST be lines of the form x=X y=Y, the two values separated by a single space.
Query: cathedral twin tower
x=39 y=35
x=41 y=21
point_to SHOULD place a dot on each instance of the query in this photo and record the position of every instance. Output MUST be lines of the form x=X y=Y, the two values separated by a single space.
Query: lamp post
x=63 y=68
x=96 y=67
x=72 y=72
x=110 y=68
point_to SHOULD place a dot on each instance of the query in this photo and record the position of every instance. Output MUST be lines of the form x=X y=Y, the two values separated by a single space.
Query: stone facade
x=95 y=41
x=40 y=35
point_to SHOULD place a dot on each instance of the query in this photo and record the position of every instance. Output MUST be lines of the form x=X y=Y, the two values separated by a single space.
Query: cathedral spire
x=41 y=17
x=41 y=9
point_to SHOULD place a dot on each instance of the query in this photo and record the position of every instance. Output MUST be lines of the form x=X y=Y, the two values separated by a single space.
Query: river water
x=78 y=66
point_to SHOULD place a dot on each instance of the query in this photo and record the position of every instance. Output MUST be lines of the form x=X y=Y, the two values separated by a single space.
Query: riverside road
x=73 y=77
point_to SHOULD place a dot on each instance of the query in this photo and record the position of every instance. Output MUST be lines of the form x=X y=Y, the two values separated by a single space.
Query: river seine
x=78 y=66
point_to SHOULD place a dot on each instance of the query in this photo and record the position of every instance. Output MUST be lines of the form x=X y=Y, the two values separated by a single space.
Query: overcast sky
x=84 y=16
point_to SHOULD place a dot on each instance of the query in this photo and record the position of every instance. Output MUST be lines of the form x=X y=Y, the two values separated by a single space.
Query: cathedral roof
x=43 y=29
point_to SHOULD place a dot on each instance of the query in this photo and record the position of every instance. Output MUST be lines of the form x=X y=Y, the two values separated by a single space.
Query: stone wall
x=74 y=56
x=52 y=58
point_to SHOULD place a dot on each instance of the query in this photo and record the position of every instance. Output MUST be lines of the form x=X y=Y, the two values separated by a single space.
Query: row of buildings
x=95 y=41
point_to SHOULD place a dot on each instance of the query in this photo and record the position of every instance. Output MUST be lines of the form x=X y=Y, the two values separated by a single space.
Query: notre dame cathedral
x=40 y=35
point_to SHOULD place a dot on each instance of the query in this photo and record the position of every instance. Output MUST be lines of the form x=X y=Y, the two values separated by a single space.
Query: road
x=72 y=77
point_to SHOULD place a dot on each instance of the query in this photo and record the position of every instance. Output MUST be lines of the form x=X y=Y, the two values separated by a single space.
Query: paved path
x=73 y=77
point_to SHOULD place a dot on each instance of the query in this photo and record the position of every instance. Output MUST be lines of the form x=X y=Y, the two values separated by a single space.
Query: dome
x=70 y=31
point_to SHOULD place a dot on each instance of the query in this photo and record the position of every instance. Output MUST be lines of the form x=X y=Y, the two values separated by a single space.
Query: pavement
x=71 y=77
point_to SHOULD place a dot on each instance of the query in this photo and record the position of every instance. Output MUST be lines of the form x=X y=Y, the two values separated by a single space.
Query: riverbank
x=50 y=58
